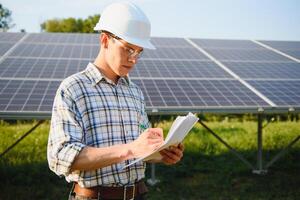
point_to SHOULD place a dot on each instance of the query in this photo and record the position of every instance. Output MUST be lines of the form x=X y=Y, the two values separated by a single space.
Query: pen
x=143 y=127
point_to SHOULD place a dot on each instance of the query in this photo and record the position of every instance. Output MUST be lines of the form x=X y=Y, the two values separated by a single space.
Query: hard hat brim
x=139 y=42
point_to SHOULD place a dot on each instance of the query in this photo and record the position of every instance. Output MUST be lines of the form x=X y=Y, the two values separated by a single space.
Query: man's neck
x=105 y=69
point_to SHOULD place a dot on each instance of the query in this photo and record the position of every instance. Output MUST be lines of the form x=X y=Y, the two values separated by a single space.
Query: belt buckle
x=125 y=191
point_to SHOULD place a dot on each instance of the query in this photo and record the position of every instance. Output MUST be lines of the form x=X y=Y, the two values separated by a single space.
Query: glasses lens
x=132 y=54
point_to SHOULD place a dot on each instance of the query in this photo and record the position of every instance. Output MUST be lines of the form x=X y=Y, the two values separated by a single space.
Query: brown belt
x=125 y=192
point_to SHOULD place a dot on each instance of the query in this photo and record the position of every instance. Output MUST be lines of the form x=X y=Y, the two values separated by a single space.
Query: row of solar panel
x=37 y=95
x=86 y=46
x=30 y=74
x=90 y=39
x=58 y=69
x=89 y=52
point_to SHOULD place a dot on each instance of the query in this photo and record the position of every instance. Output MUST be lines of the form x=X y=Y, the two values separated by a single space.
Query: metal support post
x=152 y=181
x=259 y=169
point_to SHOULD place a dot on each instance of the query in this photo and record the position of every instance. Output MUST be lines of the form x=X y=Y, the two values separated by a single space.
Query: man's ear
x=104 y=40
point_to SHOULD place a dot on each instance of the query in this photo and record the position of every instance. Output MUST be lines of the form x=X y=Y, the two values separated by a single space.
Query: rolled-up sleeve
x=66 y=133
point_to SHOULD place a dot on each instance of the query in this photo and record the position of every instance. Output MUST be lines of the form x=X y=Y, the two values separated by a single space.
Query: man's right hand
x=147 y=142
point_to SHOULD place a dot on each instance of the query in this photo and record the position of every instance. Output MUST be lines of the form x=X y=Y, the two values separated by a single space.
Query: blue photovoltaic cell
x=226 y=44
x=27 y=95
x=198 y=94
x=178 y=68
x=40 y=68
x=63 y=38
x=267 y=70
x=282 y=93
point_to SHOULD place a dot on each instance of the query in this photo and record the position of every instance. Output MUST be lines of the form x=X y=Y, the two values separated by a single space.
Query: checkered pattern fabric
x=90 y=110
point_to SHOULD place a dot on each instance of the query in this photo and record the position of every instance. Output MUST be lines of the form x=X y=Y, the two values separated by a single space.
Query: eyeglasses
x=131 y=53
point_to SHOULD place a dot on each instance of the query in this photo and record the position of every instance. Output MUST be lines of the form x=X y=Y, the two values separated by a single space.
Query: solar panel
x=198 y=94
x=293 y=53
x=224 y=44
x=288 y=47
x=283 y=44
x=265 y=70
x=4 y=47
x=27 y=95
x=174 y=53
x=63 y=38
x=178 y=69
x=176 y=77
x=238 y=50
x=10 y=37
x=56 y=51
x=169 y=42
x=59 y=69
x=40 y=68
x=36 y=95
x=282 y=92
x=246 y=55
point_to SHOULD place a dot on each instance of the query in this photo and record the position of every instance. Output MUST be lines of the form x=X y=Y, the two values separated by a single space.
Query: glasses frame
x=131 y=53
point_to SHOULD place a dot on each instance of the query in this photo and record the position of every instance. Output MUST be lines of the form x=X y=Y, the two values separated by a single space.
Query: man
x=99 y=123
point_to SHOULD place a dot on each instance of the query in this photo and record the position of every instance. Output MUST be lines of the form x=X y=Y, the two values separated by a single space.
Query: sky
x=215 y=19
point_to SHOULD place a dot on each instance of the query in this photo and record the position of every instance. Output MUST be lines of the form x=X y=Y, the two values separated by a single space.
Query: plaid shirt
x=90 y=110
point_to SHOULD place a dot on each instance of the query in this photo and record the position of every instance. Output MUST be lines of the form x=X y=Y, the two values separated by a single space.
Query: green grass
x=207 y=171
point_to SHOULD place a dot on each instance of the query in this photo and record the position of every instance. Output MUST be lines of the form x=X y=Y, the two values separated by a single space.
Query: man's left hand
x=172 y=155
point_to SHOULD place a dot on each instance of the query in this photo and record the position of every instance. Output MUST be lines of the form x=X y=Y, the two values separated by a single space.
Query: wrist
x=128 y=152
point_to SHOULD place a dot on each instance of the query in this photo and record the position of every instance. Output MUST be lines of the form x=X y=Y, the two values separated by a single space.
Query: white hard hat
x=127 y=21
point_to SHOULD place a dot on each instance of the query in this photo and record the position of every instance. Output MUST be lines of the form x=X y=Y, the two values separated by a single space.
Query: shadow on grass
x=31 y=181
x=200 y=176
x=197 y=176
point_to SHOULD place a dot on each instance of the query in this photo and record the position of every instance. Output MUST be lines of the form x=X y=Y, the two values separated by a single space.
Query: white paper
x=179 y=129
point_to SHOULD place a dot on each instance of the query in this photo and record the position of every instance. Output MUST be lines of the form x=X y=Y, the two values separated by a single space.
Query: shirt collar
x=96 y=76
